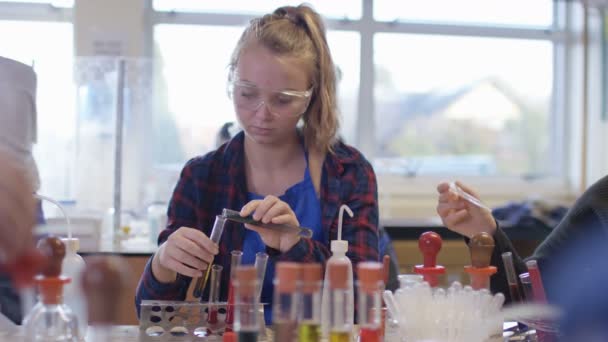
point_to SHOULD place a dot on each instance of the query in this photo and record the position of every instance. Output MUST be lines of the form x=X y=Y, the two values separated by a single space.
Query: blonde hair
x=299 y=32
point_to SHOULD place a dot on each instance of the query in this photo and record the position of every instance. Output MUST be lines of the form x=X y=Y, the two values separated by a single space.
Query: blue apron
x=303 y=200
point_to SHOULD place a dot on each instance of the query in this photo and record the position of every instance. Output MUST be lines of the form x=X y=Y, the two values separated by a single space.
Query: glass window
x=344 y=48
x=512 y=12
x=462 y=105
x=332 y=9
x=48 y=46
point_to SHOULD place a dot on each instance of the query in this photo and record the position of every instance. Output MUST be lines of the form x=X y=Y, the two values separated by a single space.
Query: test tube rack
x=184 y=321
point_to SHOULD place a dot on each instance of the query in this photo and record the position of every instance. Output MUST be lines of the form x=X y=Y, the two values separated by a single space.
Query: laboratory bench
x=404 y=233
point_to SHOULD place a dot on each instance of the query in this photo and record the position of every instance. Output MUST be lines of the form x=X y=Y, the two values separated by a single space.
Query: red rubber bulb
x=429 y=244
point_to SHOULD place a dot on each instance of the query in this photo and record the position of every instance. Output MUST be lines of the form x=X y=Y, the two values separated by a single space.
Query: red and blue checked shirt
x=216 y=181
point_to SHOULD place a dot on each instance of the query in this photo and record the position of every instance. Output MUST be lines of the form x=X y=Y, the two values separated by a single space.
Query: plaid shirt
x=216 y=181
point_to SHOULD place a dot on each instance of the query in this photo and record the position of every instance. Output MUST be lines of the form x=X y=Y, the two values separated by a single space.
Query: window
x=48 y=46
x=462 y=105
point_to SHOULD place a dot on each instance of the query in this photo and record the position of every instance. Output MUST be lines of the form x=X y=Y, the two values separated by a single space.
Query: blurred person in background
x=18 y=173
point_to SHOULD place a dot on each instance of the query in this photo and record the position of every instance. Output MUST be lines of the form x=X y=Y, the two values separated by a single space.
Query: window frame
x=396 y=187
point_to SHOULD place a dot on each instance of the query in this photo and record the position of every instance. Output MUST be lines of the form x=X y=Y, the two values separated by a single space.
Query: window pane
x=462 y=105
x=49 y=48
x=331 y=9
x=512 y=12
x=344 y=48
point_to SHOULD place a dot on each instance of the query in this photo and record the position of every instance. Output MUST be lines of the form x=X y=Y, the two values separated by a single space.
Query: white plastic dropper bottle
x=339 y=248
x=73 y=265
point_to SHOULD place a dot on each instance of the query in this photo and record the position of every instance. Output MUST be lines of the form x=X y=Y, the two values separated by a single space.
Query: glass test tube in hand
x=216 y=235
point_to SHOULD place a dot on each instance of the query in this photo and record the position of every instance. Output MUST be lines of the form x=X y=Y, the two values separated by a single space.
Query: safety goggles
x=247 y=96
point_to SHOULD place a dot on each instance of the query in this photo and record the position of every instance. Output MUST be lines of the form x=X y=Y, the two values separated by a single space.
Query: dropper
x=455 y=189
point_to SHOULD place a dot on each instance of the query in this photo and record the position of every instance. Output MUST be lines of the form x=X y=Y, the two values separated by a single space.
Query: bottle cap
x=287 y=276
x=339 y=246
x=229 y=336
x=54 y=250
x=246 y=279
x=338 y=275
x=311 y=277
x=371 y=275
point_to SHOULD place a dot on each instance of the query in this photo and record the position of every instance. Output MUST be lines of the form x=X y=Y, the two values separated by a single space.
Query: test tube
x=286 y=301
x=235 y=260
x=370 y=296
x=246 y=320
x=507 y=259
x=340 y=328
x=235 y=216
x=538 y=290
x=309 y=329
x=526 y=283
x=216 y=235
x=214 y=294
x=537 y=283
x=261 y=260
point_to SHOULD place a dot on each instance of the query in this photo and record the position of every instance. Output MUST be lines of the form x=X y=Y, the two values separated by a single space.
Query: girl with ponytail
x=286 y=166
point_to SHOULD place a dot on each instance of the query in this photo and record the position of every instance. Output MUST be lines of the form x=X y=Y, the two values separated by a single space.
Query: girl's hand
x=272 y=210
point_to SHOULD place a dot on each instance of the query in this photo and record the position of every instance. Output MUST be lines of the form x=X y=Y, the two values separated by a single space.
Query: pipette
x=466 y=196
x=216 y=235
x=234 y=215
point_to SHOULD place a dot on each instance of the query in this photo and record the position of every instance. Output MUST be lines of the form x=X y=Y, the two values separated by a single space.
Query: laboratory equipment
x=286 y=301
x=73 y=265
x=429 y=244
x=339 y=294
x=246 y=318
x=235 y=216
x=216 y=235
x=235 y=260
x=455 y=189
x=514 y=291
x=214 y=299
x=538 y=291
x=481 y=247
x=103 y=278
x=309 y=329
x=338 y=249
x=370 y=287
x=50 y=319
